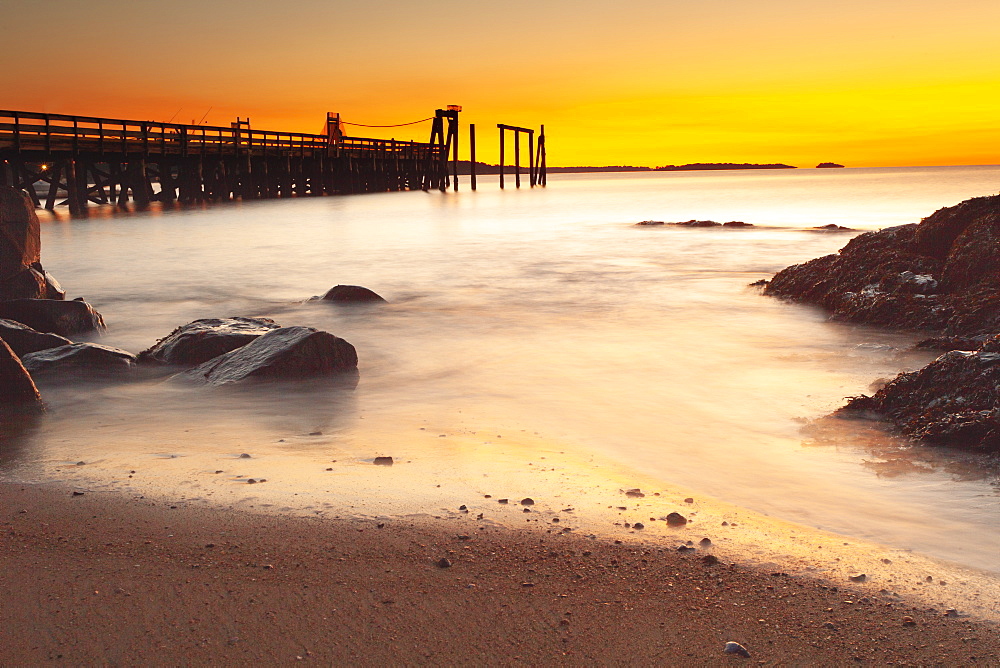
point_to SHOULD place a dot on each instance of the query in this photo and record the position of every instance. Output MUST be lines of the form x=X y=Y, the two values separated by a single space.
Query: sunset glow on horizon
x=646 y=83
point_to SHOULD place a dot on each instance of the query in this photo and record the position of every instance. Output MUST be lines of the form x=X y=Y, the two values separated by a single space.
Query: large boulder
x=16 y=386
x=288 y=353
x=64 y=318
x=942 y=274
x=952 y=401
x=350 y=294
x=21 y=272
x=20 y=232
x=201 y=340
x=23 y=339
x=81 y=360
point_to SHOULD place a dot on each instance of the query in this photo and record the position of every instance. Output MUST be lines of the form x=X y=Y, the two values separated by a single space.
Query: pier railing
x=33 y=132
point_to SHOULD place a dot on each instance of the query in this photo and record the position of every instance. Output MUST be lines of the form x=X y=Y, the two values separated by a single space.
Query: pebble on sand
x=676 y=520
x=383 y=461
x=736 y=648
x=527 y=502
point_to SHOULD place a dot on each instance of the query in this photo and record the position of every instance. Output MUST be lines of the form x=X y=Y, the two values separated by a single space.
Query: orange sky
x=640 y=82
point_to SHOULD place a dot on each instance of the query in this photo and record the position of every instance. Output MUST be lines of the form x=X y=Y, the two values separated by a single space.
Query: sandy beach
x=100 y=578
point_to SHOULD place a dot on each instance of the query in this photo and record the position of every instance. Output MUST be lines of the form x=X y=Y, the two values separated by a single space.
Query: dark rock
x=942 y=274
x=81 y=360
x=634 y=494
x=858 y=577
x=527 y=502
x=199 y=341
x=827 y=165
x=383 y=461
x=832 y=227
x=344 y=294
x=16 y=385
x=705 y=542
x=287 y=353
x=952 y=401
x=638 y=525
x=54 y=316
x=737 y=223
x=698 y=223
x=737 y=649
x=946 y=343
x=650 y=222
x=676 y=520
x=444 y=563
x=20 y=239
x=23 y=339
x=710 y=560
x=21 y=272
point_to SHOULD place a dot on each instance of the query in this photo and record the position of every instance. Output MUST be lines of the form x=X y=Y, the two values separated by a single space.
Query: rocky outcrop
x=64 y=318
x=21 y=272
x=350 y=294
x=952 y=401
x=23 y=339
x=288 y=353
x=81 y=360
x=828 y=165
x=199 y=341
x=942 y=274
x=16 y=386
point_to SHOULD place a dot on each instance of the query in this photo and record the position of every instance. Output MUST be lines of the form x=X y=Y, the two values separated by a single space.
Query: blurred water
x=545 y=311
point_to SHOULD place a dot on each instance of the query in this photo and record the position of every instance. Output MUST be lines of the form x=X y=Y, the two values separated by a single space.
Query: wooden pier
x=76 y=160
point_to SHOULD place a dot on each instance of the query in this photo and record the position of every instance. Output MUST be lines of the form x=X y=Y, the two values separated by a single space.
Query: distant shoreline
x=484 y=168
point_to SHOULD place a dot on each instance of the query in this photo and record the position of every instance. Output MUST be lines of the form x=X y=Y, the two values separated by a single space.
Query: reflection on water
x=535 y=311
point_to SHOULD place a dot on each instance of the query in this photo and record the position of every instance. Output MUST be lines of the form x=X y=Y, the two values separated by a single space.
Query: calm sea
x=544 y=312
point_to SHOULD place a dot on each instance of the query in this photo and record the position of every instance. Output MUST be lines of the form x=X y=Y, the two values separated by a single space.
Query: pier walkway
x=75 y=160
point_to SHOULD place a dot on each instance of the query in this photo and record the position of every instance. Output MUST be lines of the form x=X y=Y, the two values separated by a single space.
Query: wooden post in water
x=541 y=156
x=517 y=158
x=501 y=155
x=531 y=159
x=472 y=155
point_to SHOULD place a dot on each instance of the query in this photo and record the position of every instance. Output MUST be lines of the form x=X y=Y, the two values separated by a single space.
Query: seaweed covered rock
x=288 y=353
x=941 y=274
x=64 y=318
x=23 y=339
x=201 y=340
x=952 y=401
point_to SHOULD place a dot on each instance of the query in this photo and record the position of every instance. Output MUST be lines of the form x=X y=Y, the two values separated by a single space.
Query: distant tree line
x=484 y=168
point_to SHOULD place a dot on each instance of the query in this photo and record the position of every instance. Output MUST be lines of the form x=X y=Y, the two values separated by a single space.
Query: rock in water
x=199 y=341
x=21 y=272
x=64 y=318
x=345 y=294
x=20 y=239
x=23 y=339
x=288 y=353
x=89 y=360
x=951 y=401
x=941 y=274
x=16 y=385
x=737 y=649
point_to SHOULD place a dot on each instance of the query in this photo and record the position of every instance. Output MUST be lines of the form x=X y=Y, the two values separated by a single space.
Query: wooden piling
x=472 y=155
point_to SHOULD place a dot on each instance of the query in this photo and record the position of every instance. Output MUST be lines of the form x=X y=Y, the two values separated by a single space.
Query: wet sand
x=108 y=578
